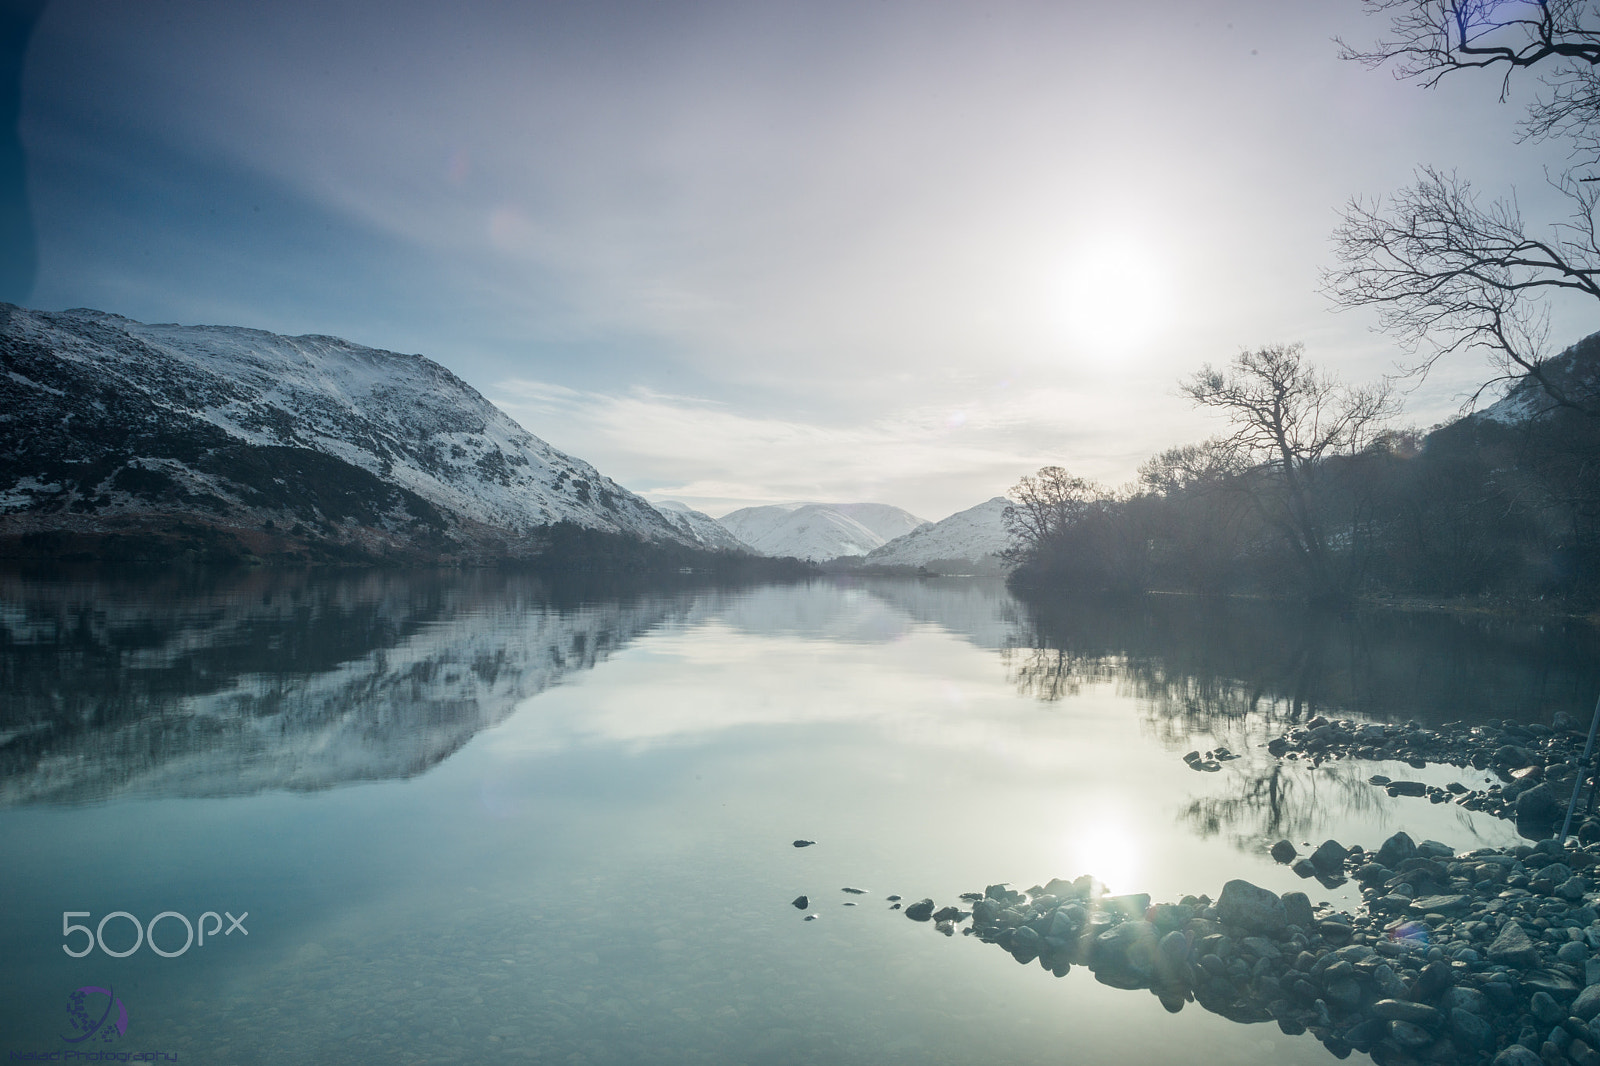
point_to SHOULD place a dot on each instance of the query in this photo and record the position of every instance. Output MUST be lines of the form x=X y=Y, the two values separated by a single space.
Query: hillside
x=121 y=438
x=974 y=535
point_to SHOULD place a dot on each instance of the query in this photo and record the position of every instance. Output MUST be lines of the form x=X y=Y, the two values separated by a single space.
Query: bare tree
x=1285 y=418
x=1046 y=505
x=1444 y=270
x=1430 y=39
x=1447 y=272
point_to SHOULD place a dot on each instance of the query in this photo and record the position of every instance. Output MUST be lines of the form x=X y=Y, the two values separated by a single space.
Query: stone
x=1406 y=788
x=1545 y=1008
x=1452 y=904
x=1516 y=1055
x=1396 y=850
x=985 y=911
x=1329 y=858
x=1129 y=948
x=1406 y=1011
x=948 y=914
x=1067 y=921
x=1132 y=906
x=1464 y=998
x=1304 y=868
x=1513 y=948
x=1343 y=992
x=1470 y=1029
x=1409 y=1036
x=1252 y=908
x=1538 y=804
x=1297 y=909
x=922 y=910
x=804 y=843
x=1174 y=946
x=800 y=903
x=1573 y=888
x=1587 y=1005
x=1573 y=953
x=1284 y=852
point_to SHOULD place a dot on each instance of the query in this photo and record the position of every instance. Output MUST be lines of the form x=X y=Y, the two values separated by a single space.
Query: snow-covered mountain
x=700 y=527
x=819 y=531
x=274 y=445
x=971 y=535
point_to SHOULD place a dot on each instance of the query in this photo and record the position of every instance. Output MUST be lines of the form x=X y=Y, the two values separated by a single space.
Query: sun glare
x=1113 y=296
x=1106 y=852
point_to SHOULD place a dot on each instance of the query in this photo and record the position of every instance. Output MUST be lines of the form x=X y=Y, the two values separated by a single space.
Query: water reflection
x=276 y=680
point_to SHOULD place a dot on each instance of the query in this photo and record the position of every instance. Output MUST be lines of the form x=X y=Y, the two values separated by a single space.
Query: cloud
x=933 y=459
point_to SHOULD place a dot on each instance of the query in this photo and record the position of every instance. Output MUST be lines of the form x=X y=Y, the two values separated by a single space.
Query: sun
x=1113 y=296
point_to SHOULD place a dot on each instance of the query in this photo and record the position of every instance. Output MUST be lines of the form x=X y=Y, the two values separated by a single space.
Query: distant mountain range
x=127 y=441
x=239 y=442
x=975 y=535
x=819 y=531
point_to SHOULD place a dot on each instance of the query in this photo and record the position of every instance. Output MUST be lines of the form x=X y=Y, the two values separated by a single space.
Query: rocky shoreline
x=1537 y=764
x=1488 y=957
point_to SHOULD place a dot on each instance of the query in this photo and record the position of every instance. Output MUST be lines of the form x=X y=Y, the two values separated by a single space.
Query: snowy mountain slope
x=971 y=535
x=107 y=423
x=700 y=527
x=819 y=531
x=1576 y=371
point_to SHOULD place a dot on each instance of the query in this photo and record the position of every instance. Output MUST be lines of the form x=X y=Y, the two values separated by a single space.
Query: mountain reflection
x=275 y=680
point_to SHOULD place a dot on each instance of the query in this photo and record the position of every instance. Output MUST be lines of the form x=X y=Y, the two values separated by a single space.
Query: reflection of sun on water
x=1108 y=853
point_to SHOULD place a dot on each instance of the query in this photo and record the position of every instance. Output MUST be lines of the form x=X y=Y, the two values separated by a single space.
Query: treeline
x=1309 y=496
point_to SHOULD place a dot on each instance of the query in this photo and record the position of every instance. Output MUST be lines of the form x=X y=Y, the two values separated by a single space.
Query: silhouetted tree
x=1286 y=417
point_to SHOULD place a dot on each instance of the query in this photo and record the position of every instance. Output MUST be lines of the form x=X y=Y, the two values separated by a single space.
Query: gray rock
x=1463 y=998
x=1304 y=868
x=800 y=903
x=1297 y=909
x=921 y=911
x=1389 y=982
x=1573 y=953
x=1408 y=1035
x=1516 y=1055
x=1573 y=888
x=1067 y=921
x=1452 y=904
x=1513 y=948
x=1343 y=992
x=1284 y=852
x=1545 y=1008
x=1469 y=1029
x=1329 y=858
x=1406 y=1011
x=1252 y=908
x=1538 y=803
x=985 y=911
x=1174 y=946
x=1587 y=1005
x=1396 y=849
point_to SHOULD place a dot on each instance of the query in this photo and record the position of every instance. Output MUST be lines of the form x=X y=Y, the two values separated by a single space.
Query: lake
x=480 y=817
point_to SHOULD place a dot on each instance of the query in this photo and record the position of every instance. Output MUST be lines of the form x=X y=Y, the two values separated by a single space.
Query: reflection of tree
x=1201 y=664
x=1279 y=801
x=1239 y=673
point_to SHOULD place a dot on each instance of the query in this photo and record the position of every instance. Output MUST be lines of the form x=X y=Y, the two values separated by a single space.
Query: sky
x=748 y=252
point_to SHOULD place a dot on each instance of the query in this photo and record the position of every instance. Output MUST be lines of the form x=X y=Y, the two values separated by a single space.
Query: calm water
x=475 y=818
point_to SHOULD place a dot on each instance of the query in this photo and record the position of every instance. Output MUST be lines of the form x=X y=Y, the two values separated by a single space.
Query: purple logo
x=80 y=1014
